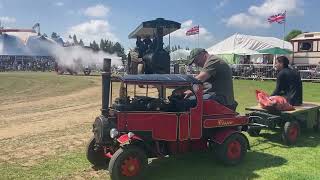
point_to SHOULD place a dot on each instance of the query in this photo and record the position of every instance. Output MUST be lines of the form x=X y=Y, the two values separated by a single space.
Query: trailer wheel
x=291 y=132
x=128 y=163
x=233 y=149
x=95 y=155
x=254 y=132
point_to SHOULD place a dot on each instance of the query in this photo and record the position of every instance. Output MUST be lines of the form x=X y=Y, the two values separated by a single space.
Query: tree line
x=104 y=45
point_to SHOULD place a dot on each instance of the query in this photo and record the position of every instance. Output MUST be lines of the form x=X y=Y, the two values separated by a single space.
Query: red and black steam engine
x=143 y=123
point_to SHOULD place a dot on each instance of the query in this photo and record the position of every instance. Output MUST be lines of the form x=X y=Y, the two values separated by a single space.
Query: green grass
x=23 y=86
x=267 y=159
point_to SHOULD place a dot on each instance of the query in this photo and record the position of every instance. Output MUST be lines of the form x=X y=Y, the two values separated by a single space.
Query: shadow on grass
x=308 y=138
x=202 y=166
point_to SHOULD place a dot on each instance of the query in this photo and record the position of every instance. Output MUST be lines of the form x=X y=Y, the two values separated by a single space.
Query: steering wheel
x=177 y=94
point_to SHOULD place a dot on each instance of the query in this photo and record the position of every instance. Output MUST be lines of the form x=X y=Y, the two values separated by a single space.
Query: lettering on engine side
x=224 y=122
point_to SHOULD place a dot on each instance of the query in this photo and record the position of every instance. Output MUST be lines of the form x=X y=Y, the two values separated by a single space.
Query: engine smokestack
x=106 y=80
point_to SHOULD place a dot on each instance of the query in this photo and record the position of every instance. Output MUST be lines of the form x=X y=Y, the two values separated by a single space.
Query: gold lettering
x=224 y=122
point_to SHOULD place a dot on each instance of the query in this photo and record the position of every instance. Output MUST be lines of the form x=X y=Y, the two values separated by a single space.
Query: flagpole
x=284 y=28
x=198 y=35
x=169 y=44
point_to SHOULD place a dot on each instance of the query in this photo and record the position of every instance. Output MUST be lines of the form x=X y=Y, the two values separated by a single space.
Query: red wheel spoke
x=234 y=150
x=130 y=167
x=293 y=133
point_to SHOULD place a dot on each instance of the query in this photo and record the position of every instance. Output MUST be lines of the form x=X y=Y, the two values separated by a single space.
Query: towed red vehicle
x=143 y=122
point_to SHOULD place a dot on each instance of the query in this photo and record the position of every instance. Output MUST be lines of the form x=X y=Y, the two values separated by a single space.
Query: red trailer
x=134 y=128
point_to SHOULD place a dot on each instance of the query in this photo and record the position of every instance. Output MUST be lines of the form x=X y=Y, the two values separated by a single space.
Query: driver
x=216 y=76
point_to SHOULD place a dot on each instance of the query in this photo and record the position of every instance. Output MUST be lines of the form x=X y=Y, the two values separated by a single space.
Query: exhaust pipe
x=176 y=69
x=106 y=80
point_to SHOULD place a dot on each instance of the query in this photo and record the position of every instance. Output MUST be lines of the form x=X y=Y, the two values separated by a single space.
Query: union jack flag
x=194 y=30
x=279 y=18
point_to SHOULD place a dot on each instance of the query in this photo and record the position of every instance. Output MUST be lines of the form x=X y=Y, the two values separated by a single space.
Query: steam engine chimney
x=106 y=78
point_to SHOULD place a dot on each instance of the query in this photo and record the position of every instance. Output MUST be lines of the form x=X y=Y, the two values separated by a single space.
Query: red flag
x=279 y=18
x=193 y=31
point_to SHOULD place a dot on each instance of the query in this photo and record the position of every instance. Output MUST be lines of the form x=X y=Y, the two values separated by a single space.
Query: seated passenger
x=216 y=75
x=147 y=42
x=289 y=84
x=140 y=46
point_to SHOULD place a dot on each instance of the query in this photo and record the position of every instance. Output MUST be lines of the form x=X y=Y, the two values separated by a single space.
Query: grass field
x=45 y=121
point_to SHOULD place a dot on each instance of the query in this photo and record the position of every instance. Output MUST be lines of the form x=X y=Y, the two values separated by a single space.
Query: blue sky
x=218 y=19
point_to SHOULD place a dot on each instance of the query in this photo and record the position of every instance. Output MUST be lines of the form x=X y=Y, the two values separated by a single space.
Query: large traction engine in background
x=153 y=59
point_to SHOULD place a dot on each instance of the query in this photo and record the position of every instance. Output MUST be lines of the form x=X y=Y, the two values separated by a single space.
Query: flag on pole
x=279 y=18
x=194 y=30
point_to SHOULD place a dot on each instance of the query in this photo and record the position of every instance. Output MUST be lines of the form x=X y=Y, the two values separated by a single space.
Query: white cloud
x=98 y=10
x=59 y=4
x=6 y=19
x=270 y=7
x=92 y=30
x=246 y=21
x=204 y=34
x=256 y=17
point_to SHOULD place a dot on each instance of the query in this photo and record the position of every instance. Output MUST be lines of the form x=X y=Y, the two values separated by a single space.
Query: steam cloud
x=70 y=56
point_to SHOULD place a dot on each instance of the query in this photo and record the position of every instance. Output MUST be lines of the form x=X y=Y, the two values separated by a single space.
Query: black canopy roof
x=148 y=28
x=172 y=79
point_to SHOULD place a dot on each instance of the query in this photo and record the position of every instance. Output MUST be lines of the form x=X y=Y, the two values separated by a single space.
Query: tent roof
x=180 y=54
x=247 y=44
x=11 y=45
x=40 y=45
x=307 y=36
x=26 y=44
x=148 y=28
x=176 y=79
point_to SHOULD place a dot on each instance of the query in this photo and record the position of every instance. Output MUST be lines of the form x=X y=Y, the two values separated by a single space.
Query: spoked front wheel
x=233 y=149
x=128 y=163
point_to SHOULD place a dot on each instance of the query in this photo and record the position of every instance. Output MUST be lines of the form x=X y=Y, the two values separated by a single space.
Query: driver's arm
x=203 y=76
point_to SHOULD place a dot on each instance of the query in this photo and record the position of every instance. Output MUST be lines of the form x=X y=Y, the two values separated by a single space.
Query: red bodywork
x=184 y=130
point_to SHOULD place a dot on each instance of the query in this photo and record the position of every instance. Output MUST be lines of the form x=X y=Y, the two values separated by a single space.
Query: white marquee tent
x=239 y=45
x=180 y=54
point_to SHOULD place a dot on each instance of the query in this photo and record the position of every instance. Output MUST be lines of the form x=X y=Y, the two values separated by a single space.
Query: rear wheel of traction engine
x=87 y=72
x=59 y=72
x=291 y=132
x=128 y=163
x=233 y=149
x=95 y=155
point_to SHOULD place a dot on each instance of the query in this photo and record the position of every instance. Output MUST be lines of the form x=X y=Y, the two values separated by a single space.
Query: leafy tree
x=292 y=34
x=81 y=43
x=54 y=35
x=102 y=45
x=95 y=46
x=75 y=40
x=117 y=47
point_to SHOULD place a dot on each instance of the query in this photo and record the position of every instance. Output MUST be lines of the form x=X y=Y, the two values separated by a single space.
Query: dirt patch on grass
x=35 y=130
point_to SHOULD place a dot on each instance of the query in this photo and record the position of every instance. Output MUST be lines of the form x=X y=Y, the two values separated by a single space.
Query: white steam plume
x=69 y=56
